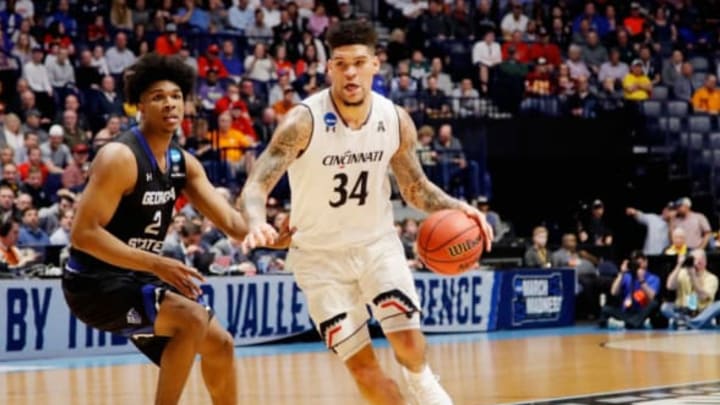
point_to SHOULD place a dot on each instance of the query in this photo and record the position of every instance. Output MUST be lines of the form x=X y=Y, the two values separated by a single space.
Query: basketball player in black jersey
x=115 y=279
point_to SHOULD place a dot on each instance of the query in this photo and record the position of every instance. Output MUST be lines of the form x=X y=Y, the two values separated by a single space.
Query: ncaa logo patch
x=175 y=155
x=330 y=120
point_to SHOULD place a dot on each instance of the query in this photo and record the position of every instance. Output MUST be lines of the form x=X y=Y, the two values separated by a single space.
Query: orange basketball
x=449 y=242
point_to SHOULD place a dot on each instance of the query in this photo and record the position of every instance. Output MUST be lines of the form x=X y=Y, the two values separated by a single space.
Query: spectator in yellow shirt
x=231 y=142
x=636 y=85
x=707 y=98
x=679 y=247
x=284 y=105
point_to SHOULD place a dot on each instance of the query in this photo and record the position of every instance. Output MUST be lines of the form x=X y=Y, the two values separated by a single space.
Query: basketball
x=449 y=242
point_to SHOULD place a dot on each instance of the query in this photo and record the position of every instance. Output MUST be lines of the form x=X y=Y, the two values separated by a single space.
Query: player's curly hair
x=152 y=68
x=352 y=32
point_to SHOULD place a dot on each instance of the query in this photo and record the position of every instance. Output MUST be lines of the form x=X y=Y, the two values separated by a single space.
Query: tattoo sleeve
x=288 y=141
x=416 y=188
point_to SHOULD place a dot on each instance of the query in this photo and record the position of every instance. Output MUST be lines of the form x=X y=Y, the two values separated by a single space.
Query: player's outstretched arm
x=210 y=203
x=287 y=143
x=112 y=175
x=417 y=189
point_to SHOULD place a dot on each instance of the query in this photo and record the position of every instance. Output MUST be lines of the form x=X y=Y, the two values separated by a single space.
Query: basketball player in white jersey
x=337 y=147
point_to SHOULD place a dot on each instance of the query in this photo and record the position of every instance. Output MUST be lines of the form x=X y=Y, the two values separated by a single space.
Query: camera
x=689 y=262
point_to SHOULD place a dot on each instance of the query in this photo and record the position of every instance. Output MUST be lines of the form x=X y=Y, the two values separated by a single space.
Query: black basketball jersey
x=142 y=218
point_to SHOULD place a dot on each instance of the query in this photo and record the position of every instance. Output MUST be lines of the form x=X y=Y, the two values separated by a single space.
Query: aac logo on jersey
x=330 y=122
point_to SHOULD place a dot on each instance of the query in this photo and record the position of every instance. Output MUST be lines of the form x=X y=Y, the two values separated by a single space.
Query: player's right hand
x=180 y=276
x=260 y=235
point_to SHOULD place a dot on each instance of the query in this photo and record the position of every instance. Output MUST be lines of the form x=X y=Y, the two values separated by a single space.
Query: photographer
x=637 y=287
x=696 y=287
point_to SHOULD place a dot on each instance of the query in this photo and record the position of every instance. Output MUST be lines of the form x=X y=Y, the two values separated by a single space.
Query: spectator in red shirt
x=232 y=95
x=211 y=59
x=546 y=49
x=540 y=82
x=241 y=119
x=635 y=22
x=34 y=160
x=169 y=43
x=522 y=51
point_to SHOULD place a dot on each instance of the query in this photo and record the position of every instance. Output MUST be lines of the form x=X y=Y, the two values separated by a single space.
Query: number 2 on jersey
x=358 y=192
x=154 y=227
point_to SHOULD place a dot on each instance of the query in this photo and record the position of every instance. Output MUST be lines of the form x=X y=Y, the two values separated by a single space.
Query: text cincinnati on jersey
x=349 y=158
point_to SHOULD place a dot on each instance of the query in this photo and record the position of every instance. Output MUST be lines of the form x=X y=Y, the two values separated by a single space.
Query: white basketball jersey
x=340 y=186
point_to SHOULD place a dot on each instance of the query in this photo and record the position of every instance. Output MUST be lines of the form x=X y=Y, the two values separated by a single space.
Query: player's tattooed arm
x=289 y=140
x=415 y=187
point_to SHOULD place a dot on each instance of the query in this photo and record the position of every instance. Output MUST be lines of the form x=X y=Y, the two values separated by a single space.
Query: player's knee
x=224 y=345
x=408 y=344
x=365 y=373
x=185 y=316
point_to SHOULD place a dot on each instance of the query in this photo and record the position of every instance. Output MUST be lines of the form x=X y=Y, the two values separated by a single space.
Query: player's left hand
x=284 y=236
x=485 y=229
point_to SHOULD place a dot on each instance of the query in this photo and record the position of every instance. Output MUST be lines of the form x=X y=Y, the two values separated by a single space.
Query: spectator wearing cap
x=656 y=227
x=119 y=56
x=540 y=85
x=241 y=120
x=75 y=173
x=33 y=124
x=211 y=59
x=635 y=22
x=544 y=48
x=695 y=224
x=636 y=84
x=169 y=43
x=241 y=15
x=636 y=287
x=55 y=153
x=706 y=99
x=596 y=231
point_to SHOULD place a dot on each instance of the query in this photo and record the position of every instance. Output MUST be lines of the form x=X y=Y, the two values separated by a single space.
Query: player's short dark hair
x=152 y=68
x=352 y=32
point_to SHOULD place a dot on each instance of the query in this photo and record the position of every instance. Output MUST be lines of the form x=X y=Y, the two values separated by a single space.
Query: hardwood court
x=475 y=370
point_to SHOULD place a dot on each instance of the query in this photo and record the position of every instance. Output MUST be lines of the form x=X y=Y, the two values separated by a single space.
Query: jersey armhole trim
x=397 y=114
x=312 y=130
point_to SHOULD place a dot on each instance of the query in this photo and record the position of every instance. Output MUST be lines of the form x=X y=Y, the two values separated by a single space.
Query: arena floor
x=578 y=365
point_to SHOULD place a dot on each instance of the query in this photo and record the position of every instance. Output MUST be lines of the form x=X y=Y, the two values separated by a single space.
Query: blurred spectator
x=121 y=15
x=466 y=100
x=596 y=231
x=434 y=101
x=30 y=140
x=259 y=30
x=695 y=224
x=566 y=85
x=11 y=132
x=23 y=48
x=657 y=228
x=413 y=9
x=650 y=65
x=218 y=15
x=544 y=48
x=211 y=60
x=10 y=255
x=318 y=21
x=346 y=11
x=486 y=54
x=36 y=74
x=559 y=33
x=683 y=88
x=100 y=61
x=281 y=64
x=31 y=235
x=514 y=21
x=569 y=256
x=695 y=287
x=192 y=17
x=75 y=173
x=56 y=36
x=191 y=250
x=241 y=120
x=25 y=8
x=427 y=156
x=518 y=46
x=397 y=48
x=10 y=176
x=443 y=79
x=537 y=254
x=61 y=74
x=408 y=236
x=228 y=252
x=241 y=16
x=230 y=60
x=493 y=218
x=418 y=67
x=635 y=21
x=539 y=82
x=483 y=18
x=74 y=133
x=105 y=102
x=139 y=37
x=232 y=94
x=62 y=16
x=34 y=162
x=187 y=57
x=637 y=287
x=594 y=53
x=173 y=234
x=118 y=56
x=454 y=166
x=232 y=142
x=55 y=153
x=61 y=235
x=265 y=126
x=140 y=13
x=211 y=91
x=678 y=244
x=583 y=102
x=272 y=14
x=672 y=68
x=254 y=103
x=575 y=63
x=87 y=76
x=90 y=9
x=33 y=124
x=311 y=80
x=596 y=22
x=636 y=84
x=169 y=43
x=287 y=102
x=614 y=69
x=7 y=199
x=259 y=66
x=706 y=99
